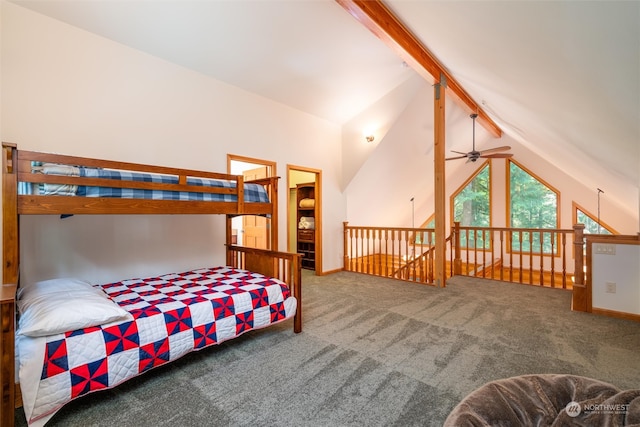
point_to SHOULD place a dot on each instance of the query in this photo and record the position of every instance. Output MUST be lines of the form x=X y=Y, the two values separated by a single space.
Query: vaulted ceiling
x=560 y=77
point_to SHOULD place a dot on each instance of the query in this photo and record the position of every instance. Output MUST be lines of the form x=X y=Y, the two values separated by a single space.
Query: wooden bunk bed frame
x=16 y=167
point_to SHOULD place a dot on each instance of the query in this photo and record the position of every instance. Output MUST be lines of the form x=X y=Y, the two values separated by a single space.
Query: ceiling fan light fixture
x=474 y=155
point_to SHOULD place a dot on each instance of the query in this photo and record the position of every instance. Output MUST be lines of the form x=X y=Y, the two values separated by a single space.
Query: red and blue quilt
x=172 y=314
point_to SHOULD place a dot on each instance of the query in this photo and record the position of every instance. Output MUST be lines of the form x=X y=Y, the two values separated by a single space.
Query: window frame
x=574 y=218
x=486 y=164
x=508 y=210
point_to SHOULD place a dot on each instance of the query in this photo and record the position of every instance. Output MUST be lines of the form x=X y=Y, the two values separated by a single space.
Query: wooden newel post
x=579 y=299
x=457 y=260
x=345 y=257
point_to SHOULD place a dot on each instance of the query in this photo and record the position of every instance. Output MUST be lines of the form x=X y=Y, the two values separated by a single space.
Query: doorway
x=252 y=231
x=304 y=213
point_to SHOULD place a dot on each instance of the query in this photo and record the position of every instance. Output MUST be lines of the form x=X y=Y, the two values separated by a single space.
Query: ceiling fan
x=473 y=155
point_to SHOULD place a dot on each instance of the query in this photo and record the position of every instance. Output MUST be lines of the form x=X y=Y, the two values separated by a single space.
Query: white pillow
x=50 y=286
x=61 y=305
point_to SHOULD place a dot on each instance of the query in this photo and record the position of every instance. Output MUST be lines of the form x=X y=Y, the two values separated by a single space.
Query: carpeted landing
x=373 y=352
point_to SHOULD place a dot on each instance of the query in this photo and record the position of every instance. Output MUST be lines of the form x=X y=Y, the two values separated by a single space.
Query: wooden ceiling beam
x=375 y=16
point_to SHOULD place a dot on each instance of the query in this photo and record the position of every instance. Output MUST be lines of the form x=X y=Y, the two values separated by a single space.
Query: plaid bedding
x=252 y=192
x=173 y=314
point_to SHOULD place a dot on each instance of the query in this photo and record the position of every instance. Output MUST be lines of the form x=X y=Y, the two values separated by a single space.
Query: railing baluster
x=553 y=251
x=493 y=255
x=484 y=252
x=367 y=249
x=361 y=252
x=501 y=254
x=386 y=252
x=422 y=258
x=466 y=248
x=375 y=252
x=564 y=261
x=541 y=258
x=521 y=252
x=393 y=251
x=354 y=250
x=530 y=256
x=510 y=237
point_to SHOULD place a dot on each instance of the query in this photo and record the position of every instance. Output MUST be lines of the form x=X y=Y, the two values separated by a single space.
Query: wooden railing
x=543 y=257
x=523 y=255
x=394 y=252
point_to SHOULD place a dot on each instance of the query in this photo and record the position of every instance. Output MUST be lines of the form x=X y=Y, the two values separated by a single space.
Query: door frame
x=318 y=220
x=271 y=172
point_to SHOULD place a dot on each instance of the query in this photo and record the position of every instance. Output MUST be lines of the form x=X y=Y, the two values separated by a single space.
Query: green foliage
x=590 y=225
x=533 y=205
x=472 y=207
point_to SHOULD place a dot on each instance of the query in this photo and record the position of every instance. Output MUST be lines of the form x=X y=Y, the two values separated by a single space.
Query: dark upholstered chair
x=547 y=400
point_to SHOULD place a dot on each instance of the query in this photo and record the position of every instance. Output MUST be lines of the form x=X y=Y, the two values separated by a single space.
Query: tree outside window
x=591 y=225
x=533 y=204
x=472 y=207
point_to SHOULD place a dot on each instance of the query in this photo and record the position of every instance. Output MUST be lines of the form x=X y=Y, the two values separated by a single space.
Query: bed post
x=284 y=266
x=273 y=197
x=229 y=230
x=296 y=274
x=10 y=253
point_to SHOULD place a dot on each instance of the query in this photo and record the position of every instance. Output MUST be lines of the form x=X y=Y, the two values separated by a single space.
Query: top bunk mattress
x=252 y=192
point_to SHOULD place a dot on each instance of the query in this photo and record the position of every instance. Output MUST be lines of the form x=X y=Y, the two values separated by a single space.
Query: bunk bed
x=255 y=289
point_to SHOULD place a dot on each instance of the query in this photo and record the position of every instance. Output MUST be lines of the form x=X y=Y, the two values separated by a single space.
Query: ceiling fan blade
x=495 y=150
x=459 y=152
x=497 y=156
x=455 y=158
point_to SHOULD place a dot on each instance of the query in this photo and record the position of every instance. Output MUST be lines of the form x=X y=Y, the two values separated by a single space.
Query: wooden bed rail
x=7 y=354
x=284 y=266
x=20 y=169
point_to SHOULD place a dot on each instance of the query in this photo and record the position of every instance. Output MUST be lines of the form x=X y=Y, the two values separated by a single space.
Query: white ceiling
x=561 y=77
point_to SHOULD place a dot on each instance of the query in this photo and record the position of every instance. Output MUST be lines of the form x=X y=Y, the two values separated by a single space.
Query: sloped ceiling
x=563 y=77
x=560 y=77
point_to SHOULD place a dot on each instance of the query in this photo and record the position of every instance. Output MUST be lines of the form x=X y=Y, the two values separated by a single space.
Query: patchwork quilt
x=172 y=314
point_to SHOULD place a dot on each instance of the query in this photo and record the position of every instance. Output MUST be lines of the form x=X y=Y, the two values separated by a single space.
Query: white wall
x=376 y=121
x=69 y=91
x=621 y=270
x=397 y=169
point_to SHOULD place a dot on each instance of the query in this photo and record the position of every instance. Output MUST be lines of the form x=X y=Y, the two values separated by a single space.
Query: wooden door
x=256 y=228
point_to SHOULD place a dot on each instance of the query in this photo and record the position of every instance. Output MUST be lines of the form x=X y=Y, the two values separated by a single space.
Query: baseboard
x=618 y=314
x=324 y=273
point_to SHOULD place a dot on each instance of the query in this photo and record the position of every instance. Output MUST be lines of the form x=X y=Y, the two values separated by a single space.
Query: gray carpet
x=373 y=352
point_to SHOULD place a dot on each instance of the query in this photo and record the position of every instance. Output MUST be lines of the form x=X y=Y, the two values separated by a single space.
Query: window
x=592 y=225
x=532 y=204
x=425 y=237
x=472 y=207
